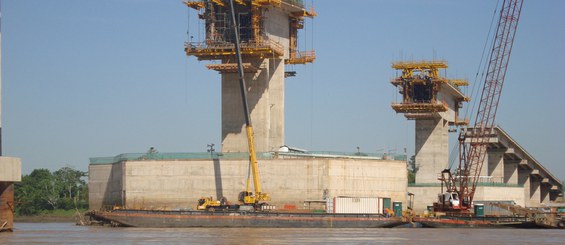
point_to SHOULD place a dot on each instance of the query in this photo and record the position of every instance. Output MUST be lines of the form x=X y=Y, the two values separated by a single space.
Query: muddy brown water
x=68 y=233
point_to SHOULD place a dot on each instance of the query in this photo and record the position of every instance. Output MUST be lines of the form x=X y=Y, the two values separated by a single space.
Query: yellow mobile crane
x=247 y=198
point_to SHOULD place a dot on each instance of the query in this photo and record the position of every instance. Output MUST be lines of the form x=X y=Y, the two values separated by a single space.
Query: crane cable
x=483 y=66
x=312 y=84
x=475 y=89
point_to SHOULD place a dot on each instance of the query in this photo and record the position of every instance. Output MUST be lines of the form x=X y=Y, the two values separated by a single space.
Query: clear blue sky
x=98 y=78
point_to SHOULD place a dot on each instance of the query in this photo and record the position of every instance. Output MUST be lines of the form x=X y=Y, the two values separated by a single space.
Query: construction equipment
x=473 y=142
x=209 y=204
x=249 y=200
x=247 y=197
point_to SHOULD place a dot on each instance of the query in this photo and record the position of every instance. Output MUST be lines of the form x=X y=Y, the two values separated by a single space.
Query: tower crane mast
x=473 y=142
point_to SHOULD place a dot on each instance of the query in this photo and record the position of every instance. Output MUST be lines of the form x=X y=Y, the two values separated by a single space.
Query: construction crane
x=461 y=186
x=248 y=199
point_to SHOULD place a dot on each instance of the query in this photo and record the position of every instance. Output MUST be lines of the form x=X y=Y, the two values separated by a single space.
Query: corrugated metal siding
x=356 y=205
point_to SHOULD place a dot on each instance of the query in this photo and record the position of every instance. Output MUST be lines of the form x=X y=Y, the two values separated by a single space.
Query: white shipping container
x=381 y=205
x=357 y=205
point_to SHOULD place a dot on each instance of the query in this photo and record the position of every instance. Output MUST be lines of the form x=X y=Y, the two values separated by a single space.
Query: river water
x=68 y=233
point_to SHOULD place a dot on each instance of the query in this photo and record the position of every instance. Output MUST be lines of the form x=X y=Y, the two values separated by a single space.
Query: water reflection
x=67 y=233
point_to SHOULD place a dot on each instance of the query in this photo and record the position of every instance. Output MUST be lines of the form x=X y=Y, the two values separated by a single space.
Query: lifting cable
x=453 y=156
x=186 y=59
x=476 y=88
x=312 y=82
x=188 y=39
x=482 y=66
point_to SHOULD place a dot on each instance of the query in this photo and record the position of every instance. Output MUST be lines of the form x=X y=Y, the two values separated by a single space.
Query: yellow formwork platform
x=232 y=68
x=419 y=107
x=215 y=52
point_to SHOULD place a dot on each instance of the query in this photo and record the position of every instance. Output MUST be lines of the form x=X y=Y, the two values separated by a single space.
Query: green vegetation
x=45 y=193
x=412 y=169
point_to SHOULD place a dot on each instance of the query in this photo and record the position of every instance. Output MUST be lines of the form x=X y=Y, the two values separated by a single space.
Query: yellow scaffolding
x=420 y=84
x=219 y=51
x=232 y=68
x=215 y=47
x=419 y=107
x=301 y=58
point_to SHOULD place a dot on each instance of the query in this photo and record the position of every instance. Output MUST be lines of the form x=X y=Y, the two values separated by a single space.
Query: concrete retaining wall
x=152 y=184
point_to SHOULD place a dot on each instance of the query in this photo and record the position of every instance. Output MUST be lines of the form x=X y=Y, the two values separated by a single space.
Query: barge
x=477 y=222
x=185 y=219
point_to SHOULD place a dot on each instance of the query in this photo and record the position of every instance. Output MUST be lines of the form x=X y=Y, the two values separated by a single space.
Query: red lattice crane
x=473 y=142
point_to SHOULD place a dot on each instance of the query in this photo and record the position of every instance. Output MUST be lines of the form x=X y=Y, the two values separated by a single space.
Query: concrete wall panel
x=10 y=169
x=288 y=181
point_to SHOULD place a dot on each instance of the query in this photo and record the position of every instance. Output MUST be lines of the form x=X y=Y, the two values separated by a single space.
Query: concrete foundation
x=179 y=184
x=265 y=94
x=432 y=149
x=6 y=205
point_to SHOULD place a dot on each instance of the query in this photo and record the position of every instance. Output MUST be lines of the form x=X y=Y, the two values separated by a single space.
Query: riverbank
x=54 y=216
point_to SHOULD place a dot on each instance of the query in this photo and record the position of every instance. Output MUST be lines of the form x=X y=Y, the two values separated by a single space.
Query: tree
x=412 y=169
x=37 y=191
x=42 y=191
x=72 y=186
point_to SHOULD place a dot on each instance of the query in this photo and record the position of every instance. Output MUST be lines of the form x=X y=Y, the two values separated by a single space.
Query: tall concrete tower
x=434 y=102
x=268 y=33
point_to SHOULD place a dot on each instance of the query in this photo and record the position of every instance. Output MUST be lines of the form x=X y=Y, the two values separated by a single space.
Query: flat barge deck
x=480 y=222
x=182 y=219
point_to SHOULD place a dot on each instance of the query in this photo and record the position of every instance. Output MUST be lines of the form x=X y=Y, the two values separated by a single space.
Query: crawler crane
x=473 y=142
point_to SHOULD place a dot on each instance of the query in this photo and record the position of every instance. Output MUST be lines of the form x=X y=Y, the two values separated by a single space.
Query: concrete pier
x=510 y=174
x=266 y=105
x=432 y=149
x=10 y=172
x=268 y=34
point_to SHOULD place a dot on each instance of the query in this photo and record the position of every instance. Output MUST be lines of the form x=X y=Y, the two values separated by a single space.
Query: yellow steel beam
x=195 y=4
x=419 y=107
x=301 y=58
x=219 y=2
x=419 y=65
x=425 y=115
x=460 y=122
x=459 y=82
x=305 y=13
x=266 y=2
x=232 y=67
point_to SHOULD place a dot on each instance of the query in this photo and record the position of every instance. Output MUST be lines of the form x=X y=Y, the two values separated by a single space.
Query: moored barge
x=479 y=222
x=183 y=219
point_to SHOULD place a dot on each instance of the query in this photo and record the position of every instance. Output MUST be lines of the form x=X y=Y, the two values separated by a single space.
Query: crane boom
x=492 y=88
x=473 y=150
x=247 y=197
